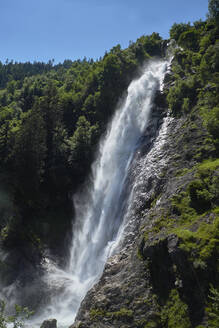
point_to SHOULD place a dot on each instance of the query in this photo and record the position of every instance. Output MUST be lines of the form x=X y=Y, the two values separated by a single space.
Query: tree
x=28 y=156
x=177 y=29
x=213 y=308
x=213 y=7
x=189 y=40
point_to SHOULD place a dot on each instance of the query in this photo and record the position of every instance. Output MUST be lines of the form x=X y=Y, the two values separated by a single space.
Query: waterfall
x=99 y=208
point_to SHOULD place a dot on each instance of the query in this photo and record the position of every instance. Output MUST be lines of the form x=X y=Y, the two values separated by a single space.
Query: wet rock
x=164 y=46
x=160 y=100
x=168 y=78
x=138 y=280
x=51 y=323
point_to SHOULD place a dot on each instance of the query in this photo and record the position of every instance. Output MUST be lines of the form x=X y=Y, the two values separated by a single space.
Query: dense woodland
x=52 y=116
x=51 y=119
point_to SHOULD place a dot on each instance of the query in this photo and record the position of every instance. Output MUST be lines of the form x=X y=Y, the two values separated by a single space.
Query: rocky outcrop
x=153 y=269
x=52 y=323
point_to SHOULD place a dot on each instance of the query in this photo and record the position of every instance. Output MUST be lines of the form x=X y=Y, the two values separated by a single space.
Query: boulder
x=51 y=323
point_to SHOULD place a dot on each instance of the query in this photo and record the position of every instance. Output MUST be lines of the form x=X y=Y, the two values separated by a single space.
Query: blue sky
x=71 y=29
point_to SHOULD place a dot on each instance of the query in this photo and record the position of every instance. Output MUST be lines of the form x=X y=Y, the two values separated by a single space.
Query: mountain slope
x=166 y=274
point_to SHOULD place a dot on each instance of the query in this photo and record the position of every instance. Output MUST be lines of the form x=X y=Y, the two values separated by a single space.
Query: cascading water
x=99 y=209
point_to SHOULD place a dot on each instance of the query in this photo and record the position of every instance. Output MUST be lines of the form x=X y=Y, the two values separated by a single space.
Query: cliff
x=170 y=253
x=165 y=273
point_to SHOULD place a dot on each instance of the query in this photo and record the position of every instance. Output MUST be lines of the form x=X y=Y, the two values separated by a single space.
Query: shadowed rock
x=51 y=323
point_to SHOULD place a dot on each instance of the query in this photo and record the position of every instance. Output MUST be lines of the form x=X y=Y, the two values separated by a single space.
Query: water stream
x=100 y=207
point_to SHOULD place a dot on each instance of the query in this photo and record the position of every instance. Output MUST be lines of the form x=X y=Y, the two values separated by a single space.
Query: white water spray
x=99 y=209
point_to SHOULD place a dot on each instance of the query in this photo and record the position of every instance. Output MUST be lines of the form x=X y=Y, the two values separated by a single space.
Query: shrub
x=213 y=7
x=175 y=312
x=177 y=29
x=182 y=95
x=16 y=320
x=200 y=196
x=213 y=308
x=189 y=40
x=213 y=122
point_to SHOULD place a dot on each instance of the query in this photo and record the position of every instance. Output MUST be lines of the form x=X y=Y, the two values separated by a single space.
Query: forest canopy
x=52 y=116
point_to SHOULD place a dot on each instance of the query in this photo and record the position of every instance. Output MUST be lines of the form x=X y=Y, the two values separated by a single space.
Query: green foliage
x=96 y=314
x=13 y=71
x=16 y=320
x=209 y=63
x=29 y=149
x=213 y=123
x=202 y=243
x=151 y=324
x=200 y=196
x=213 y=7
x=191 y=215
x=182 y=96
x=180 y=205
x=189 y=39
x=195 y=69
x=213 y=308
x=197 y=206
x=51 y=118
x=122 y=314
x=205 y=42
x=177 y=29
x=175 y=313
x=207 y=167
x=81 y=145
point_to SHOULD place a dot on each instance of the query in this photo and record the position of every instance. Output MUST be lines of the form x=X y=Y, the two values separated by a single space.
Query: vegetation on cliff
x=51 y=118
x=16 y=320
x=172 y=279
x=190 y=217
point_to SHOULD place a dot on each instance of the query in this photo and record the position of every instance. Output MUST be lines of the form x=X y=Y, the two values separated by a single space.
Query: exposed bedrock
x=150 y=268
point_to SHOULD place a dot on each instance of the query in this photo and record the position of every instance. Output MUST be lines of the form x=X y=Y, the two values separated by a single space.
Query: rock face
x=51 y=323
x=153 y=273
